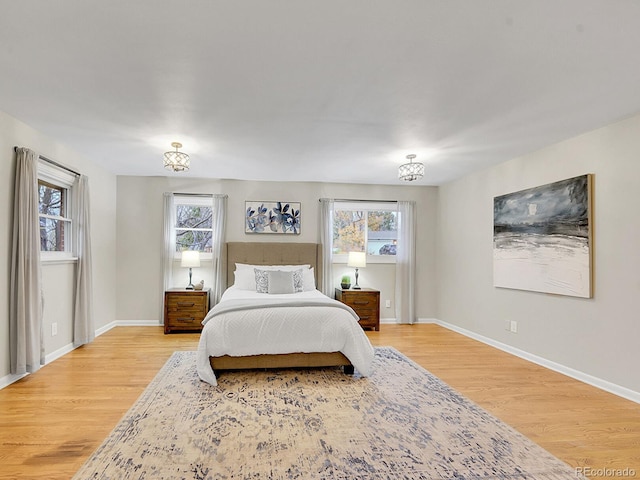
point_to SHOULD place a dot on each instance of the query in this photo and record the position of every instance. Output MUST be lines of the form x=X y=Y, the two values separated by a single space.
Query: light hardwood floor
x=53 y=420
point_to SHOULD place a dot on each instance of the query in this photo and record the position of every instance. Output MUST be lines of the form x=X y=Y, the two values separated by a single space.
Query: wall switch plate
x=54 y=329
x=513 y=326
x=387 y=303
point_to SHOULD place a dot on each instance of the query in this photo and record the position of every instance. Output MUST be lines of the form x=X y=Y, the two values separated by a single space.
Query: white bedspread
x=283 y=325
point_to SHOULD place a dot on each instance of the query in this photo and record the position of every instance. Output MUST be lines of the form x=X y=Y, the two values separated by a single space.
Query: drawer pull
x=361 y=302
x=187 y=319
x=364 y=318
x=186 y=304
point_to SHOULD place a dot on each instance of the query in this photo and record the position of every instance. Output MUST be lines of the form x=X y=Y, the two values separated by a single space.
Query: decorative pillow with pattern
x=278 y=281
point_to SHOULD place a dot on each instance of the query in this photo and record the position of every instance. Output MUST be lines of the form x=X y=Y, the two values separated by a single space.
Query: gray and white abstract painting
x=542 y=238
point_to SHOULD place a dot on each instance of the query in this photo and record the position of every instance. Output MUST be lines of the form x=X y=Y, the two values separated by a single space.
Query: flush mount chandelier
x=411 y=171
x=176 y=161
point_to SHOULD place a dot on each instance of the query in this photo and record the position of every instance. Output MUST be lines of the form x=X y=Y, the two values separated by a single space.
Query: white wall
x=597 y=336
x=140 y=234
x=57 y=279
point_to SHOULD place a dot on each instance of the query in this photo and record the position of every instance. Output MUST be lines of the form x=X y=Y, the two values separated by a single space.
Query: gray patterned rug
x=400 y=423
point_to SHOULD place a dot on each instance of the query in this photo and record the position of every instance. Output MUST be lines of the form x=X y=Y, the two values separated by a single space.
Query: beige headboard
x=273 y=253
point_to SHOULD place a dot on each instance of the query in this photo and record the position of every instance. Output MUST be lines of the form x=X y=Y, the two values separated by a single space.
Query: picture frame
x=272 y=217
x=543 y=238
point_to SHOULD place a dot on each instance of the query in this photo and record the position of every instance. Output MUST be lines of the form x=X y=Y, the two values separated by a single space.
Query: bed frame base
x=289 y=360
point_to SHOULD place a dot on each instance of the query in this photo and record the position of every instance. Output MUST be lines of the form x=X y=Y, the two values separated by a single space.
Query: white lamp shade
x=190 y=258
x=357 y=259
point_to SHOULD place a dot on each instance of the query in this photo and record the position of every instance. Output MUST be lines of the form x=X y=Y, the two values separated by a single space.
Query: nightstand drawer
x=182 y=319
x=366 y=312
x=185 y=301
x=360 y=301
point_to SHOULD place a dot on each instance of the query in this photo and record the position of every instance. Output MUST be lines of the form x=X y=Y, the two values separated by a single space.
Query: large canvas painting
x=272 y=217
x=542 y=238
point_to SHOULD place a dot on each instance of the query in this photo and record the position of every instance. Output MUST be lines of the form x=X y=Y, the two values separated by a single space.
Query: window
x=55 y=226
x=54 y=211
x=194 y=223
x=365 y=227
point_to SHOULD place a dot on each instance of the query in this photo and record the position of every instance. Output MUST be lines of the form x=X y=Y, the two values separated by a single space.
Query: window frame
x=58 y=178
x=201 y=200
x=365 y=206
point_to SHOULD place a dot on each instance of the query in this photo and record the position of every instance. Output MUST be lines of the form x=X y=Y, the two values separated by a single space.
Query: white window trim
x=60 y=178
x=205 y=201
x=341 y=258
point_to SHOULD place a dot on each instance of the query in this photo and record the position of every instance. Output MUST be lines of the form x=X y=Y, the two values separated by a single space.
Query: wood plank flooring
x=53 y=420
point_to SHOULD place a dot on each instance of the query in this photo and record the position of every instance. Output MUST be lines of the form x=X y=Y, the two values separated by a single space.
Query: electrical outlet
x=54 y=329
x=507 y=325
x=514 y=326
x=387 y=303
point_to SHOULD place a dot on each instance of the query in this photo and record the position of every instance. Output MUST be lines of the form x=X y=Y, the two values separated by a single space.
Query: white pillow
x=308 y=280
x=284 y=268
x=245 y=279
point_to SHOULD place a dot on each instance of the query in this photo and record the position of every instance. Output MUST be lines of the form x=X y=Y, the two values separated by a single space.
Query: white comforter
x=281 y=326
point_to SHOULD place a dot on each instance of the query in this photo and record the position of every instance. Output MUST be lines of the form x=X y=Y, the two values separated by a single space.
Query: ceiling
x=325 y=90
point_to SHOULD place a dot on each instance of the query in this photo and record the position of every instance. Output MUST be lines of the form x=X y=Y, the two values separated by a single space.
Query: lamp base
x=356 y=286
x=190 y=286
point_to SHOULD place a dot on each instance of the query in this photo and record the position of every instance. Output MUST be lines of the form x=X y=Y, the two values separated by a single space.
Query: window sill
x=58 y=261
x=380 y=259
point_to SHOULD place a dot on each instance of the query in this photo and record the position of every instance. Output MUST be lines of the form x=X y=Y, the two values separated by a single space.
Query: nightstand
x=184 y=310
x=365 y=302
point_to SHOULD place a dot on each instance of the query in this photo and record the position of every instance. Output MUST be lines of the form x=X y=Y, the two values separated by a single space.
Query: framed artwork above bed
x=272 y=217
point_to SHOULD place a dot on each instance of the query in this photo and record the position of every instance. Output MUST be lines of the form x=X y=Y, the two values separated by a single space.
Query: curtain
x=219 y=221
x=405 y=264
x=83 y=322
x=326 y=239
x=25 y=309
x=169 y=249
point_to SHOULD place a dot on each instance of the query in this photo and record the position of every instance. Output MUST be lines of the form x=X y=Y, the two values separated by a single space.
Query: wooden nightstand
x=365 y=302
x=184 y=310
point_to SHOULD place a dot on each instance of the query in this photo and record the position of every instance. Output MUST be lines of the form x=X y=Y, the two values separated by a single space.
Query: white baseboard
x=58 y=353
x=128 y=323
x=9 y=379
x=557 y=367
x=390 y=321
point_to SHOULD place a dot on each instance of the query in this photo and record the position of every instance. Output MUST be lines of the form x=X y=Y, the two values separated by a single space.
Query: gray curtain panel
x=25 y=310
x=219 y=223
x=84 y=330
x=406 y=263
x=326 y=239
x=169 y=239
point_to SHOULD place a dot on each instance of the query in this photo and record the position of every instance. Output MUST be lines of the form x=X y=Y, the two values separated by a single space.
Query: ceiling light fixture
x=176 y=161
x=411 y=171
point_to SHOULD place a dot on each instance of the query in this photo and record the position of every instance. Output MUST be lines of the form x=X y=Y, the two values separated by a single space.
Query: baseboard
x=9 y=379
x=557 y=367
x=392 y=321
x=58 y=353
x=128 y=323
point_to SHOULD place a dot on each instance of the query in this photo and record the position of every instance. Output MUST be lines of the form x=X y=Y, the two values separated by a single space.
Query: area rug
x=400 y=423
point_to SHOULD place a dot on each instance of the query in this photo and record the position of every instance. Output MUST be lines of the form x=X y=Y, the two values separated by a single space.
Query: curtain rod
x=201 y=194
x=357 y=200
x=52 y=162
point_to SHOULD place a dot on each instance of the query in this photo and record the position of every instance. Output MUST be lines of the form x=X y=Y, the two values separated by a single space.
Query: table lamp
x=190 y=258
x=357 y=260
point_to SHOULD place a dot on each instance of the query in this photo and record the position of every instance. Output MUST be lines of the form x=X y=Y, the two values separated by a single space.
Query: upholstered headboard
x=273 y=253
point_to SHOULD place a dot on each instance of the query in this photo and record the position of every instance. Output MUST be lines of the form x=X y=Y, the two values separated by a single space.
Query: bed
x=250 y=329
